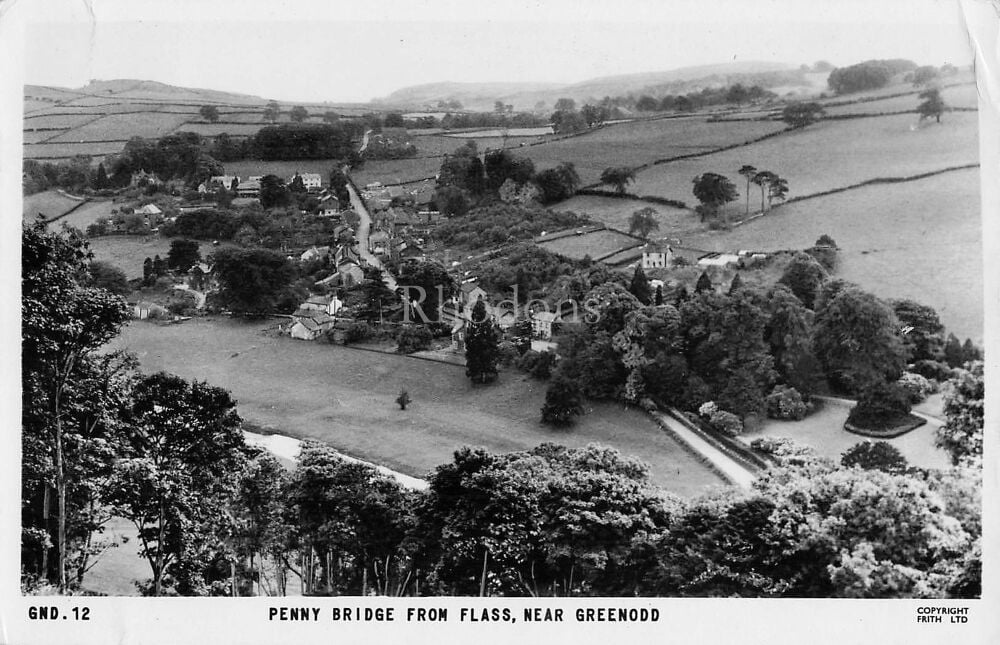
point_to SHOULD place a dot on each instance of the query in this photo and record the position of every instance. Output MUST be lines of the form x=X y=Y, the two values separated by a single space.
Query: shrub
x=916 y=386
x=708 y=409
x=881 y=407
x=874 y=455
x=537 y=364
x=780 y=446
x=413 y=338
x=357 y=332
x=826 y=240
x=507 y=353
x=726 y=422
x=785 y=402
x=825 y=255
x=932 y=370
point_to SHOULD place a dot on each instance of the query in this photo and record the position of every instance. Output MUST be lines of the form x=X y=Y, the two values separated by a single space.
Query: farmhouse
x=657 y=256
x=310 y=324
x=327 y=304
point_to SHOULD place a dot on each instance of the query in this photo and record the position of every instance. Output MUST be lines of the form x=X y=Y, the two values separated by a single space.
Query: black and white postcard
x=459 y=321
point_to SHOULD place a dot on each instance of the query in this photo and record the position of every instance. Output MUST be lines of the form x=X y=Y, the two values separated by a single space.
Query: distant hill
x=479 y=96
x=468 y=94
x=154 y=90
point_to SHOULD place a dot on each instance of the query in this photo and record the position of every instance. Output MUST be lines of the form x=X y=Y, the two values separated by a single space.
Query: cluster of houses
x=250 y=187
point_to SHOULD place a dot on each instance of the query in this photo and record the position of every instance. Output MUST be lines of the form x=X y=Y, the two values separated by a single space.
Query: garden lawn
x=824 y=431
x=345 y=397
x=920 y=240
x=827 y=155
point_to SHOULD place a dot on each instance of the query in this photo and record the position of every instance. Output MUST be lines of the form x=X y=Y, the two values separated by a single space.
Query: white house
x=312 y=181
x=148 y=209
x=315 y=253
x=541 y=324
x=310 y=324
x=657 y=257
x=327 y=304
x=225 y=181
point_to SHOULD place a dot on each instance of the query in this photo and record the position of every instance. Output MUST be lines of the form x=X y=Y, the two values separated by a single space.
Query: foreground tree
x=349 y=525
x=176 y=479
x=63 y=324
x=481 y=346
x=962 y=434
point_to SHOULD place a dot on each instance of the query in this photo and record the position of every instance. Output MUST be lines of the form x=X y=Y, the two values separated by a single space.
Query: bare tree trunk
x=158 y=574
x=482 y=579
x=61 y=498
x=232 y=577
x=46 y=517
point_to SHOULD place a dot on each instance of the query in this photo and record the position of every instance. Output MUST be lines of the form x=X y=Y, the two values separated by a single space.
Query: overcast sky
x=338 y=51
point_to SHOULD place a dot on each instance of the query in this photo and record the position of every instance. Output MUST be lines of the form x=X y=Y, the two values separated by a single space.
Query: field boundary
x=876 y=181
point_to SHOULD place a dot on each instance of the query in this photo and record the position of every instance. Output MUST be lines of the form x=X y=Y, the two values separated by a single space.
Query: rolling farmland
x=919 y=240
x=828 y=155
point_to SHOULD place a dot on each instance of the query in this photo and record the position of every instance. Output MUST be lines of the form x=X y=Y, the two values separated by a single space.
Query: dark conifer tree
x=481 y=346
x=639 y=287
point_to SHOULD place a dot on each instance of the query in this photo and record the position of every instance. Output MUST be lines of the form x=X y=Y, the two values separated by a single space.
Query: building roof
x=149 y=209
x=319 y=300
x=469 y=287
x=545 y=316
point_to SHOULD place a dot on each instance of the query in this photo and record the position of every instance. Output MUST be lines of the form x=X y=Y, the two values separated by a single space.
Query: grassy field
x=345 y=397
x=638 y=142
x=919 y=239
x=965 y=96
x=49 y=203
x=283 y=169
x=397 y=170
x=64 y=120
x=88 y=214
x=214 y=129
x=829 y=154
x=616 y=212
x=594 y=244
x=496 y=133
x=124 y=127
x=823 y=430
x=55 y=151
